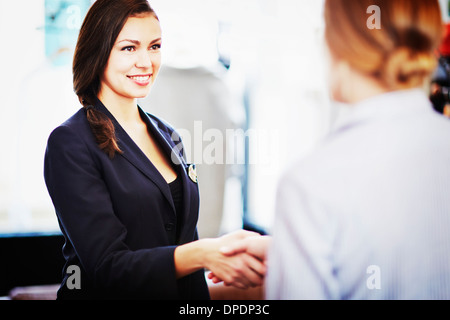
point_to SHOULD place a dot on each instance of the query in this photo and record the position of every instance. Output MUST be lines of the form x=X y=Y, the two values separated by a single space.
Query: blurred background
x=242 y=80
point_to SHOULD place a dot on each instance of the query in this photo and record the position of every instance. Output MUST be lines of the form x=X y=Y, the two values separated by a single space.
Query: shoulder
x=170 y=133
x=76 y=122
x=326 y=173
x=161 y=123
x=73 y=130
x=325 y=160
x=72 y=146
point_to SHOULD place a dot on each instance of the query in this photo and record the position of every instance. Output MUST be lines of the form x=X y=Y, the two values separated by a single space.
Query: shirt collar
x=384 y=106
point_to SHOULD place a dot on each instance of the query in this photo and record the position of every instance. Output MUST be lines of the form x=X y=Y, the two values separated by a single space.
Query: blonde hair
x=401 y=53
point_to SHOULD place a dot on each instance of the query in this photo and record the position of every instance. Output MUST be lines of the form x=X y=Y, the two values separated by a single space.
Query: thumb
x=234 y=248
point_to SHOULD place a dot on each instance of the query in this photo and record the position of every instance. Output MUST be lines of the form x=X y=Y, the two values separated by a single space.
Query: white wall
x=36 y=97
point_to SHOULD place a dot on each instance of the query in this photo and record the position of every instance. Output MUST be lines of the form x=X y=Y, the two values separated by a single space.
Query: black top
x=176 y=189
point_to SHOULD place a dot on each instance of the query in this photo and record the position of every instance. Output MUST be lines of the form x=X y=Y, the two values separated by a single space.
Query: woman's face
x=135 y=59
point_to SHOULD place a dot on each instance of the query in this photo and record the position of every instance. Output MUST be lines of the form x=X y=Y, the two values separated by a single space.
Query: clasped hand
x=240 y=259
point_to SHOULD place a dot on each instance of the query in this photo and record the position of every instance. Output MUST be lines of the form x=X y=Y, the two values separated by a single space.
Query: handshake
x=240 y=260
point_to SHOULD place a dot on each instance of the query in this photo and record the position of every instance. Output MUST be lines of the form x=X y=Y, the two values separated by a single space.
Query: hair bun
x=406 y=68
x=400 y=54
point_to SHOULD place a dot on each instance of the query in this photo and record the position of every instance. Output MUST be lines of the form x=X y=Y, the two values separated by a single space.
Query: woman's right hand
x=256 y=246
x=241 y=270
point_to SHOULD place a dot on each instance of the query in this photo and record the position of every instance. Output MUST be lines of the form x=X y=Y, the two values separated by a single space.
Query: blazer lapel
x=163 y=139
x=171 y=150
x=136 y=157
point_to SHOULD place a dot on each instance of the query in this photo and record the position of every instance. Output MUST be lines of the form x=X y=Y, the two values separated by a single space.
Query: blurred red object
x=444 y=49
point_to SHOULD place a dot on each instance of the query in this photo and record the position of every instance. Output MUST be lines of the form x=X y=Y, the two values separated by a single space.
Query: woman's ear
x=447 y=110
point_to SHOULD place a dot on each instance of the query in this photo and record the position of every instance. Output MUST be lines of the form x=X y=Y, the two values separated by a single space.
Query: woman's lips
x=142 y=80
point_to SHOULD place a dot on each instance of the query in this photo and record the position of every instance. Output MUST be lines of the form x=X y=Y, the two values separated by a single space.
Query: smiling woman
x=133 y=59
x=93 y=58
x=129 y=214
x=133 y=65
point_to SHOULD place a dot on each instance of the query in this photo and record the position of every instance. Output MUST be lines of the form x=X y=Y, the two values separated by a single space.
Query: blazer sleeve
x=86 y=214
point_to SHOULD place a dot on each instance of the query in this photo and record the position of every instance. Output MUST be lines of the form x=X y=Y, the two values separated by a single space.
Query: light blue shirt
x=367 y=215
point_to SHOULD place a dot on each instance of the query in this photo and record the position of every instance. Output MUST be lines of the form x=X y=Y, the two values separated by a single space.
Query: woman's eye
x=155 y=47
x=129 y=49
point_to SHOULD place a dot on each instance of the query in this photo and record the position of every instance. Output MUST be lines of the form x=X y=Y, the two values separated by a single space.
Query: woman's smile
x=141 y=80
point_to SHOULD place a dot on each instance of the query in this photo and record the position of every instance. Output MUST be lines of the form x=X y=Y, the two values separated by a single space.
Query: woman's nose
x=144 y=60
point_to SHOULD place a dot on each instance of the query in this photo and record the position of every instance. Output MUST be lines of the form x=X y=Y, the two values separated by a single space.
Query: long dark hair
x=98 y=33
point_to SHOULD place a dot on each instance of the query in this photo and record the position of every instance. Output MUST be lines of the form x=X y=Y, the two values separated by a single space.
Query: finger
x=238 y=274
x=258 y=266
x=254 y=271
x=216 y=280
x=234 y=248
x=238 y=285
x=242 y=234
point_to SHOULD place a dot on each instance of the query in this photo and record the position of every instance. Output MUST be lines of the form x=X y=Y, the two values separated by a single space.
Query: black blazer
x=118 y=216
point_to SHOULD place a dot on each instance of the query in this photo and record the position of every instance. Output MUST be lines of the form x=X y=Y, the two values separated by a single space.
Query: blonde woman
x=367 y=215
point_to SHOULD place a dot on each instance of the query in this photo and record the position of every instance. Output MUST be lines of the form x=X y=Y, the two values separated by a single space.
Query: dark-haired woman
x=126 y=200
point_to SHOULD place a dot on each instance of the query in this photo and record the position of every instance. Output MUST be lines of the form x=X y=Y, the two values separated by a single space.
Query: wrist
x=207 y=249
x=192 y=257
